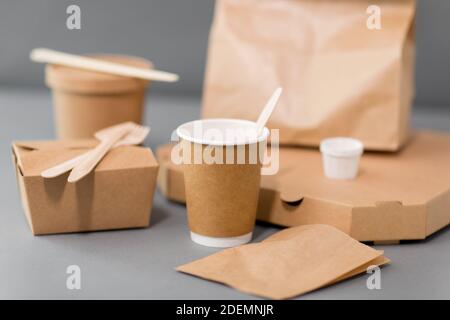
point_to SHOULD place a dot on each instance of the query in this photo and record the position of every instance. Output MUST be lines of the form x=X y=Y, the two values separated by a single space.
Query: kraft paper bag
x=340 y=77
x=289 y=263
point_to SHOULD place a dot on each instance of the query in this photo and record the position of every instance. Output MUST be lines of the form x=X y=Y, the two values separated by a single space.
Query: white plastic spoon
x=267 y=111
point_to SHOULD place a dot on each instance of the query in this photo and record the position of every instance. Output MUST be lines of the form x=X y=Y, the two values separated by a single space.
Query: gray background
x=174 y=35
x=140 y=263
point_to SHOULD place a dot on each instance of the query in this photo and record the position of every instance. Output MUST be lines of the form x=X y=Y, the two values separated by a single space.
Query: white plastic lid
x=221 y=132
x=342 y=147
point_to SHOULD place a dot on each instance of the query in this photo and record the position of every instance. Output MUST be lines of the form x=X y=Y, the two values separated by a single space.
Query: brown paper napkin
x=289 y=263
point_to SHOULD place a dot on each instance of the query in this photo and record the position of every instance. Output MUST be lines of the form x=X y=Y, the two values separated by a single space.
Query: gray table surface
x=139 y=263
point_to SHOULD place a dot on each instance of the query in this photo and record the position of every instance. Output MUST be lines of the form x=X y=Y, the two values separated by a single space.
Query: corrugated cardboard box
x=119 y=194
x=395 y=197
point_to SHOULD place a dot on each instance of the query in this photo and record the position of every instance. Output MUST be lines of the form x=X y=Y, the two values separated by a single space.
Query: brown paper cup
x=86 y=101
x=222 y=173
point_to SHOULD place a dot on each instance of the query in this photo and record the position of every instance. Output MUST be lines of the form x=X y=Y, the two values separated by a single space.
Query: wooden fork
x=134 y=137
x=88 y=163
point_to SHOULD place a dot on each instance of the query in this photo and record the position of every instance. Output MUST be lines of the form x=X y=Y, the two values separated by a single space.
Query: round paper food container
x=341 y=157
x=85 y=101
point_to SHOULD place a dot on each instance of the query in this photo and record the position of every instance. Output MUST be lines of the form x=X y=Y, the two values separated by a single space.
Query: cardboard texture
x=402 y=196
x=86 y=101
x=221 y=198
x=308 y=48
x=289 y=263
x=118 y=194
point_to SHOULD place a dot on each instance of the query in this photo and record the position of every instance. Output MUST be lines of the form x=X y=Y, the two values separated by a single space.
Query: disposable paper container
x=221 y=199
x=117 y=195
x=341 y=157
x=85 y=101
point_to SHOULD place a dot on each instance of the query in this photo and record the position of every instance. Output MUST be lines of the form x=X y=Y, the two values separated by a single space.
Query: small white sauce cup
x=341 y=157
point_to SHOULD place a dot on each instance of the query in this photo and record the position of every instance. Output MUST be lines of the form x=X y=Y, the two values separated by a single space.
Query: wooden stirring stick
x=94 y=156
x=56 y=57
x=267 y=111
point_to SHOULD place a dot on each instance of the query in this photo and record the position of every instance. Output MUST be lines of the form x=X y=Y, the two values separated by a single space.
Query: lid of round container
x=65 y=78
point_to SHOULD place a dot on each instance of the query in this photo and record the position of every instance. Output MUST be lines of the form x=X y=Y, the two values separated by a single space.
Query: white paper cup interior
x=221 y=132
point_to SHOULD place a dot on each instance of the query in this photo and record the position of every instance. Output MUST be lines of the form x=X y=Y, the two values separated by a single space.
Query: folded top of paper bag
x=35 y=156
x=288 y=263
